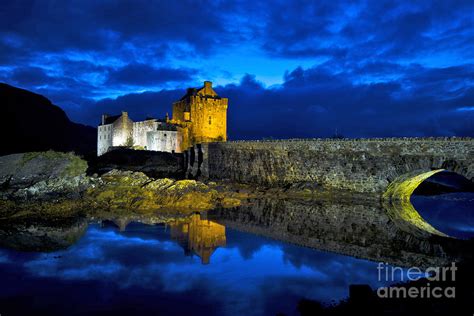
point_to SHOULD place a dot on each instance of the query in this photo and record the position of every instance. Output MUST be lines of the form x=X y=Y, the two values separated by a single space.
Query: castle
x=200 y=116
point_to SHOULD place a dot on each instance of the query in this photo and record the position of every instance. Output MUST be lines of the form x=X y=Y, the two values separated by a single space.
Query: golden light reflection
x=396 y=201
x=198 y=236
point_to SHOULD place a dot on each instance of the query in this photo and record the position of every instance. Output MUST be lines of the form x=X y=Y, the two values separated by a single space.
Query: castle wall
x=118 y=133
x=140 y=132
x=179 y=108
x=358 y=165
x=125 y=132
x=104 y=138
x=122 y=131
x=163 y=140
x=209 y=119
x=185 y=137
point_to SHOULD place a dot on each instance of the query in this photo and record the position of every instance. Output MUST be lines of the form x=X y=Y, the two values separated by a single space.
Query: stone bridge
x=393 y=167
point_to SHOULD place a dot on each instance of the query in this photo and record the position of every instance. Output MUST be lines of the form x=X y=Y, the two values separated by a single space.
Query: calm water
x=452 y=214
x=220 y=263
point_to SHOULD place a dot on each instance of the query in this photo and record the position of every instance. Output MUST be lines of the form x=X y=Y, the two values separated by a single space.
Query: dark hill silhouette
x=30 y=122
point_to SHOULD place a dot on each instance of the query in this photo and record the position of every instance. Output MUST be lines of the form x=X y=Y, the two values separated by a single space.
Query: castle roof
x=110 y=119
x=163 y=126
x=205 y=91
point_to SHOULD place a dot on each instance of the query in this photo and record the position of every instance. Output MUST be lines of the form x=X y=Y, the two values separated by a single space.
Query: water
x=143 y=265
x=452 y=214
x=259 y=259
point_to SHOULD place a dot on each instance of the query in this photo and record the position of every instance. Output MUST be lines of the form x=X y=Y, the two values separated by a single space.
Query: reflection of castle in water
x=198 y=236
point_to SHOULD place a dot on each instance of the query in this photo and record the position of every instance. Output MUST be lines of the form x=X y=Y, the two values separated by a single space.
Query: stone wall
x=140 y=130
x=104 y=138
x=209 y=118
x=122 y=130
x=359 y=165
x=163 y=140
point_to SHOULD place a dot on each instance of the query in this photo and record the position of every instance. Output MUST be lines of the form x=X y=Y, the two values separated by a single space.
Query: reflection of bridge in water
x=198 y=236
x=362 y=231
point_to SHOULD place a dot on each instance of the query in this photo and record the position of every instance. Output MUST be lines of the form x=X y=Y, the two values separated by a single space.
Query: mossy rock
x=41 y=175
x=136 y=191
x=75 y=165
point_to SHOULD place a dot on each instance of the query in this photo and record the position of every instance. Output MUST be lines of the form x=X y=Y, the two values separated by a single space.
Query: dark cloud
x=55 y=26
x=30 y=76
x=380 y=68
x=144 y=75
x=369 y=29
x=138 y=105
x=314 y=103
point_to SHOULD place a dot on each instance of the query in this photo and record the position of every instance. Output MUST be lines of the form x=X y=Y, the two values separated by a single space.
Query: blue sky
x=289 y=68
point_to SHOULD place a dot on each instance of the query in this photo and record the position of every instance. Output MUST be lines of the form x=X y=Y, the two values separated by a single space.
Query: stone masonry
x=358 y=165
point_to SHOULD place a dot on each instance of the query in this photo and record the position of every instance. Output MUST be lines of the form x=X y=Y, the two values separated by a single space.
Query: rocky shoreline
x=46 y=198
x=45 y=184
x=56 y=184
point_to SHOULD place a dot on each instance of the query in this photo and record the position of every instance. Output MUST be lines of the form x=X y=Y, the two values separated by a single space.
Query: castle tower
x=202 y=116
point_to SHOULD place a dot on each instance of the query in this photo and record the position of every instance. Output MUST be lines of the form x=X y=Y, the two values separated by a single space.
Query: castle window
x=209 y=120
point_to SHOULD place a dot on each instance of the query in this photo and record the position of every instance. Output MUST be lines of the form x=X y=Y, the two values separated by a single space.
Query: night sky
x=289 y=68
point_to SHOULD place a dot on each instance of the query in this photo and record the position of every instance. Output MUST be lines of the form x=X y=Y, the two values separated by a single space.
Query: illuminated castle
x=200 y=116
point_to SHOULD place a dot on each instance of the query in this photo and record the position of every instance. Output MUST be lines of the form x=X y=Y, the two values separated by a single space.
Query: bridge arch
x=396 y=198
x=396 y=201
x=402 y=187
x=406 y=177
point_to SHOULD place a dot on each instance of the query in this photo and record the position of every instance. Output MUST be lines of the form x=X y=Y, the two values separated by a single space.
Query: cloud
x=315 y=103
x=30 y=76
x=369 y=68
x=368 y=29
x=144 y=75
x=110 y=26
x=138 y=105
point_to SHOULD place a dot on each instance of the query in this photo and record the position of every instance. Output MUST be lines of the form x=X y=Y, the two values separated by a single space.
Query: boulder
x=42 y=176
